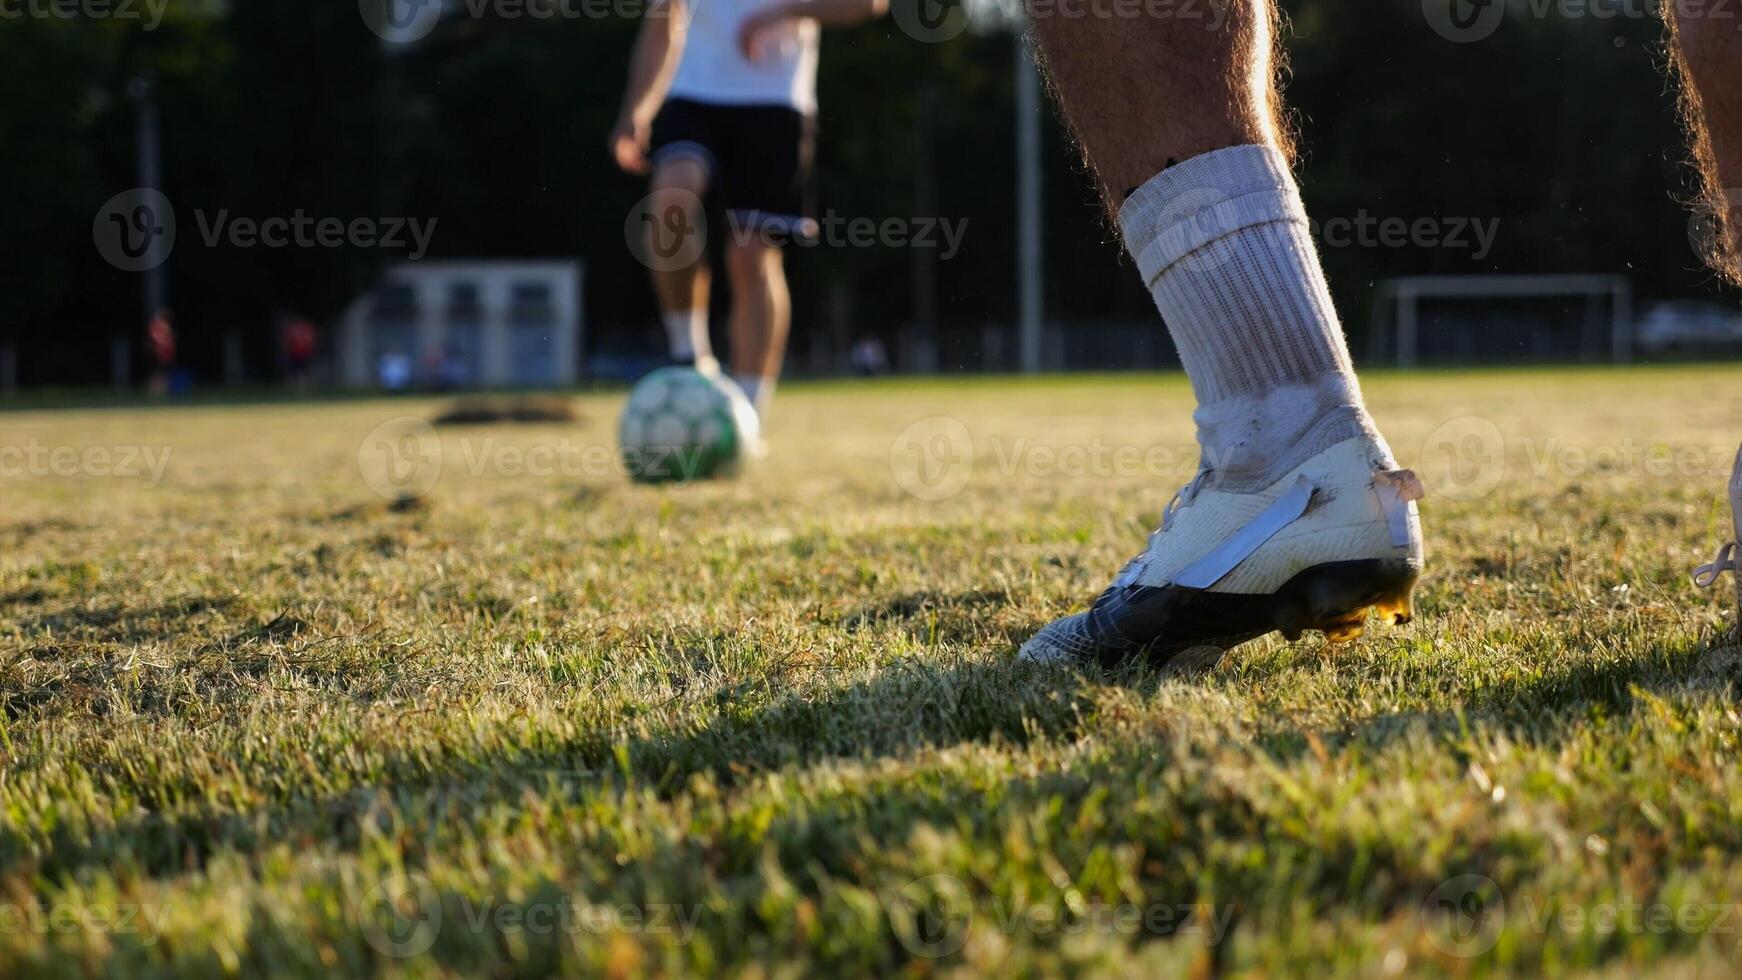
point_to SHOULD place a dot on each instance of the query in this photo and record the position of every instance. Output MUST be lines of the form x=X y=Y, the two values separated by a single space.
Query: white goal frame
x=1395 y=305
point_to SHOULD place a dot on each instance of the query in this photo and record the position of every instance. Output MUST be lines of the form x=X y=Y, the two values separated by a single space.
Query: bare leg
x=678 y=186
x=761 y=314
x=1144 y=93
x=1708 y=52
x=1179 y=118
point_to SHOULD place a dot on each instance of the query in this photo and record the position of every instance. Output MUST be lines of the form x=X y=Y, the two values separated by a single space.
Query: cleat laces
x=1706 y=575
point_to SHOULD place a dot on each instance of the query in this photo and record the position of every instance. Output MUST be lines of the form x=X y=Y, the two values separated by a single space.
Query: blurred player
x=1299 y=517
x=160 y=344
x=721 y=100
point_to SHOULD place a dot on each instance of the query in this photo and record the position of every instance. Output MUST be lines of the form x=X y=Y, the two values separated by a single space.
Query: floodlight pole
x=149 y=174
x=1030 y=292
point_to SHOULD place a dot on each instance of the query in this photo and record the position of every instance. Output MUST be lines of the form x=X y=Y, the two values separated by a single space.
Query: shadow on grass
x=79 y=673
x=1542 y=708
x=907 y=706
x=115 y=623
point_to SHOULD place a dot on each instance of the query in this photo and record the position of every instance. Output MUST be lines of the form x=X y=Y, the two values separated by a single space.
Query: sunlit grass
x=261 y=717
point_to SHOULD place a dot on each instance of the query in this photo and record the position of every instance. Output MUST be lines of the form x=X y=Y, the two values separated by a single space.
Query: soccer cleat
x=1335 y=538
x=750 y=420
x=1725 y=560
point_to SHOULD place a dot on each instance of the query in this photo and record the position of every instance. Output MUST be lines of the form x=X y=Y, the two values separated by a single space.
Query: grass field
x=261 y=717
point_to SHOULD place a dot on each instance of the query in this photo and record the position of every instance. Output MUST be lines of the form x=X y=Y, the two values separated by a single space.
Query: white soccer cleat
x=1725 y=560
x=1332 y=539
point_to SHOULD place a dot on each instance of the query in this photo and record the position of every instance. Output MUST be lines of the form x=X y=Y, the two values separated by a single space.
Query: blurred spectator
x=394 y=370
x=300 y=341
x=869 y=356
x=160 y=346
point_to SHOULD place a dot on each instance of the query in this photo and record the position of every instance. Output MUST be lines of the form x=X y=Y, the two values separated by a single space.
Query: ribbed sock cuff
x=1212 y=195
x=1222 y=242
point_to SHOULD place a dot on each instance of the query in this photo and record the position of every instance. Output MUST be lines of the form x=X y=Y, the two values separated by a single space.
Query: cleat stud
x=1398 y=608
x=1343 y=633
x=1344 y=627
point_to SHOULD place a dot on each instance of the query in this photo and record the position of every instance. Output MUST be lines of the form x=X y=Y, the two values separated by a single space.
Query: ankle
x=1251 y=441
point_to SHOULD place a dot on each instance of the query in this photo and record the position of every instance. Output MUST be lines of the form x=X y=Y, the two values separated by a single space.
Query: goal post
x=1397 y=308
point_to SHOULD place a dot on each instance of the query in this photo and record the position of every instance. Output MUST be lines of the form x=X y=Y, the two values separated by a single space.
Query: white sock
x=1222 y=242
x=756 y=388
x=681 y=327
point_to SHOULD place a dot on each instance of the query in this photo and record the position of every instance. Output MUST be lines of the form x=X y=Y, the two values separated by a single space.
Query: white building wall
x=432 y=283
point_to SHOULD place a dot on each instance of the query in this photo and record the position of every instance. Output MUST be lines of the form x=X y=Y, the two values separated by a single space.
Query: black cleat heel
x=1336 y=598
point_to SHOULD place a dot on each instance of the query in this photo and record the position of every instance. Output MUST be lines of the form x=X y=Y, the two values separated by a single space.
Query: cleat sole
x=1335 y=599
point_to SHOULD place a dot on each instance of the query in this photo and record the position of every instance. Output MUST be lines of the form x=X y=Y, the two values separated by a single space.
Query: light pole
x=1030 y=287
x=149 y=174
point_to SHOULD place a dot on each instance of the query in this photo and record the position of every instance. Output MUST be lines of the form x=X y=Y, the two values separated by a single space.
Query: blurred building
x=466 y=324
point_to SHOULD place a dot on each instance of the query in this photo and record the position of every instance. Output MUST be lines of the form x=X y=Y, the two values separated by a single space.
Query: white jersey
x=713 y=68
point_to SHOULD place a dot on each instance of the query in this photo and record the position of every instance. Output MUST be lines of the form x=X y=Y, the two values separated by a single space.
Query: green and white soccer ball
x=681 y=424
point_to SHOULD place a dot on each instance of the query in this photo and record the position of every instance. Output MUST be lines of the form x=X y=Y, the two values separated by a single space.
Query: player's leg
x=1143 y=94
x=1298 y=518
x=678 y=185
x=761 y=315
x=1708 y=53
x=765 y=176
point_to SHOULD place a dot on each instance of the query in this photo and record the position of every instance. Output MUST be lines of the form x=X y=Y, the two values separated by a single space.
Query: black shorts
x=758 y=159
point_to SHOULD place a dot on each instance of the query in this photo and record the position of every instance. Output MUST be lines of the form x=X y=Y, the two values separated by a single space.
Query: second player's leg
x=678 y=186
x=761 y=315
x=1708 y=50
x=1708 y=53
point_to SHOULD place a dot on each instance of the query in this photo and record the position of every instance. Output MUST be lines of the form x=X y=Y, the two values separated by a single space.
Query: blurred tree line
x=1561 y=130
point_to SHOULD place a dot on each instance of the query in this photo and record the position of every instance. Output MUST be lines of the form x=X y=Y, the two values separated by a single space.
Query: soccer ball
x=681 y=424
